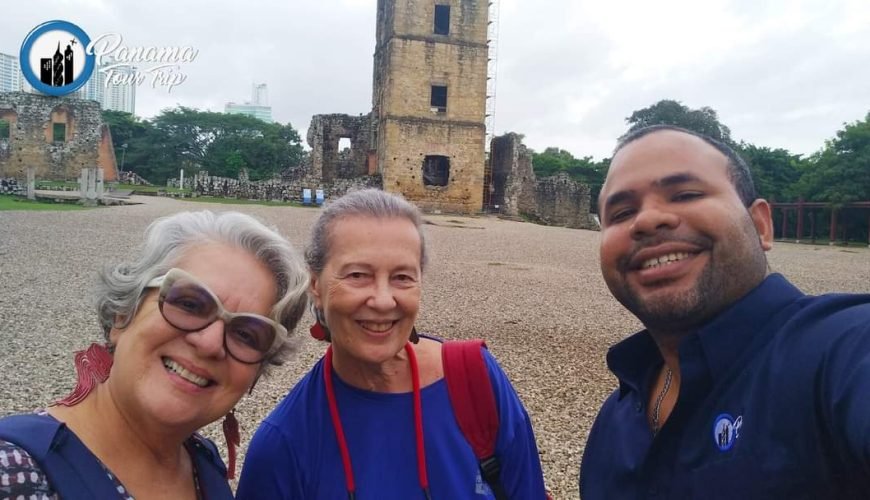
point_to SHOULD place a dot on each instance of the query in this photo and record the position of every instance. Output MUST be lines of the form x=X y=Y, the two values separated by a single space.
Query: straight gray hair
x=120 y=287
x=361 y=203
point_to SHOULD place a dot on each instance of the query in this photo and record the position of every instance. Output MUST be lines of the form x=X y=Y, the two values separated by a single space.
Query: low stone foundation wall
x=277 y=189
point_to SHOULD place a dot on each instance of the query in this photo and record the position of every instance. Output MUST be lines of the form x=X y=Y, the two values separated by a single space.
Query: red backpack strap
x=473 y=404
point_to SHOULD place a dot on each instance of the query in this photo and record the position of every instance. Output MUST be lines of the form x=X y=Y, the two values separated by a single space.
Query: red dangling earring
x=231 y=434
x=318 y=329
x=92 y=368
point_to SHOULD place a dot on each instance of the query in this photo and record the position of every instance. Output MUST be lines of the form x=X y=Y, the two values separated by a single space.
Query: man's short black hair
x=738 y=170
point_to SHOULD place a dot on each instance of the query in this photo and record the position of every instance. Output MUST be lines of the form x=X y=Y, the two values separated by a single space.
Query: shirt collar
x=725 y=338
x=722 y=340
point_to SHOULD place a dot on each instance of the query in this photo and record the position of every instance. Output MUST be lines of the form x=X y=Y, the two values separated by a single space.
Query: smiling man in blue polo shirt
x=741 y=386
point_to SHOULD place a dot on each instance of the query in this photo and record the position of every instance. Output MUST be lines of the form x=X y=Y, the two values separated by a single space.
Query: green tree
x=202 y=140
x=840 y=173
x=775 y=171
x=704 y=120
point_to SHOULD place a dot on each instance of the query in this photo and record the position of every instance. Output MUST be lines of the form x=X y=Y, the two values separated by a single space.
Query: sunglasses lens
x=249 y=338
x=188 y=307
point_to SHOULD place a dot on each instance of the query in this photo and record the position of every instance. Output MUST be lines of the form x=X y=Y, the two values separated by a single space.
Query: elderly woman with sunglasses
x=191 y=324
x=372 y=419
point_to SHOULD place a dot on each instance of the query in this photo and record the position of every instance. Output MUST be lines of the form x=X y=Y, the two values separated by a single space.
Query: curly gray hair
x=121 y=287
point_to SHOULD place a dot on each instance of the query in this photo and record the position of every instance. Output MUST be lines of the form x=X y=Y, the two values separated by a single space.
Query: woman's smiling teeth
x=377 y=327
x=185 y=373
x=664 y=260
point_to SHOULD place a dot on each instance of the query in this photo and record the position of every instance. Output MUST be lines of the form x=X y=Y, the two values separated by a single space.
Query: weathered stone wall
x=411 y=67
x=412 y=140
x=11 y=185
x=409 y=60
x=414 y=19
x=88 y=142
x=557 y=200
x=278 y=188
x=324 y=134
x=513 y=178
x=563 y=201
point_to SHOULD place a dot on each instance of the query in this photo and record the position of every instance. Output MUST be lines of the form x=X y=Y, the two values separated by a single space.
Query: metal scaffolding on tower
x=491 y=69
x=491 y=80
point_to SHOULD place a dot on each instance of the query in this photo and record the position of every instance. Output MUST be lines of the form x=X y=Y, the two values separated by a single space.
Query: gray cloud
x=780 y=73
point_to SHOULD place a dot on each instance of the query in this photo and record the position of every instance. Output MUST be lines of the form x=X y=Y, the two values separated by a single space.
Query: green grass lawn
x=9 y=202
x=236 y=201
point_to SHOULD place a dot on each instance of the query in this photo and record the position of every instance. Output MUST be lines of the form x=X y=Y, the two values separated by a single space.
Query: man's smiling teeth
x=664 y=260
x=376 y=327
x=184 y=373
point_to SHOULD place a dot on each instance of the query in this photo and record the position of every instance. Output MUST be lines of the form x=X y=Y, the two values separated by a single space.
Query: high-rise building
x=258 y=106
x=260 y=94
x=429 y=101
x=117 y=96
x=93 y=89
x=10 y=74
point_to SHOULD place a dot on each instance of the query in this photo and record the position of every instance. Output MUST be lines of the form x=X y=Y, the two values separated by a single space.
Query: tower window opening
x=442 y=19
x=438 y=101
x=436 y=170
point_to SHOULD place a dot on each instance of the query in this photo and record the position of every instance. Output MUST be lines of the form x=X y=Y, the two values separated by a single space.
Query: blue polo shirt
x=774 y=403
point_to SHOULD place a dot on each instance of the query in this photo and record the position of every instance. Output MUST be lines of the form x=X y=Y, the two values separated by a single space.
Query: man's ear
x=759 y=211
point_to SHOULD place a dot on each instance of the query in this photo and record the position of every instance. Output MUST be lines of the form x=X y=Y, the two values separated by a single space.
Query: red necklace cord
x=336 y=423
x=339 y=430
x=418 y=419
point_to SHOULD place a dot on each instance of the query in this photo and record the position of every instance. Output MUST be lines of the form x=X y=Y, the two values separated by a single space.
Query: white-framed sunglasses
x=190 y=306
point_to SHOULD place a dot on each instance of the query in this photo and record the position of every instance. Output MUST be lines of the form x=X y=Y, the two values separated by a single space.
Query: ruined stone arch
x=61 y=114
x=7 y=130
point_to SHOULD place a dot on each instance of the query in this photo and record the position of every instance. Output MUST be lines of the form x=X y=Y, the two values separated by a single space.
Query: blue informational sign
x=319 y=197
x=306 y=196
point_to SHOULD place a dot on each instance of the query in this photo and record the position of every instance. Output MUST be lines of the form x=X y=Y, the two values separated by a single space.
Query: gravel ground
x=534 y=293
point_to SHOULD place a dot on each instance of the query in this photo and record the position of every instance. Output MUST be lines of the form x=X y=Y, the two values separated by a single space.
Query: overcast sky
x=780 y=73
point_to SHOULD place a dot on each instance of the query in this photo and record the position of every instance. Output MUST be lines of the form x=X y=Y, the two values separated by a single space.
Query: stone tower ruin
x=429 y=101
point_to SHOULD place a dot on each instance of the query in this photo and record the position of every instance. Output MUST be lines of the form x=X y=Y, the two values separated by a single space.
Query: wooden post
x=784 y=223
x=833 y=235
x=813 y=215
x=800 y=221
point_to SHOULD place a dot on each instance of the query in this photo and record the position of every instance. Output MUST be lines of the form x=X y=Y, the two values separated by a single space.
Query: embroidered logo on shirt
x=726 y=430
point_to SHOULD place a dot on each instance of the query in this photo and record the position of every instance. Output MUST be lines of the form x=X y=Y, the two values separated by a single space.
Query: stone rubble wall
x=11 y=185
x=278 y=189
x=557 y=200
x=88 y=142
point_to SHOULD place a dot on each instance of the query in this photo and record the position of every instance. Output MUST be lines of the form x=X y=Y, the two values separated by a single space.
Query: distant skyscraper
x=114 y=96
x=258 y=106
x=10 y=74
x=93 y=89
x=120 y=97
x=260 y=94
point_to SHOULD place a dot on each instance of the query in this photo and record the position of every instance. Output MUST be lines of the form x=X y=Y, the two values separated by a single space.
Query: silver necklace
x=658 y=406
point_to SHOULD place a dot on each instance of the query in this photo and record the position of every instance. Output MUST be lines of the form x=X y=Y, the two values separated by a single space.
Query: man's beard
x=729 y=274
x=678 y=311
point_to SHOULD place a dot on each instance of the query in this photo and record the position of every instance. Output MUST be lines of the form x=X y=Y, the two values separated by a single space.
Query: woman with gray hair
x=190 y=325
x=373 y=419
